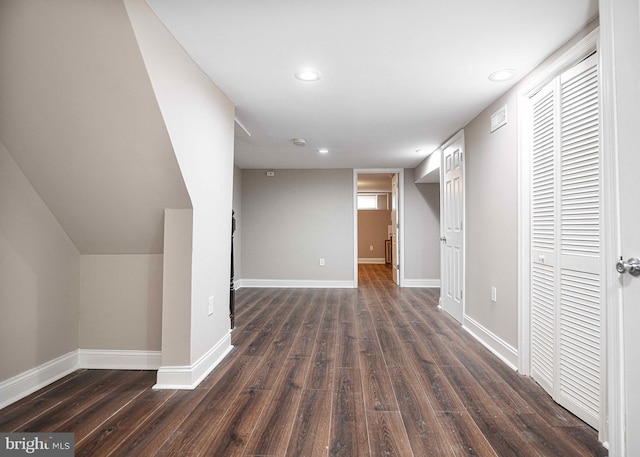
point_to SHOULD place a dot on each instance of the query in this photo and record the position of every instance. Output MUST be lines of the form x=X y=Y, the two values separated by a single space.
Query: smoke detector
x=299 y=141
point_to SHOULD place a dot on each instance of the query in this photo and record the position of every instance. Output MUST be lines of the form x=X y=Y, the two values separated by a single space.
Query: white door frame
x=581 y=50
x=620 y=24
x=370 y=171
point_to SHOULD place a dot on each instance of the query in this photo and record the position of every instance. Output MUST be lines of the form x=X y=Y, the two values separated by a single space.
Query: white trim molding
x=296 y=284
x=500 y=348
x=615 y=435
x=187 y=377
x=17 y=387
x=119 y=360
x=425 y=283
x=401 y=237
x=371 y=261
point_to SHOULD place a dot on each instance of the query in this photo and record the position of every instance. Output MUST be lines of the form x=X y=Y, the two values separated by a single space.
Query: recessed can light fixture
x=502 y=75
x=307 y=75
x=323 y=151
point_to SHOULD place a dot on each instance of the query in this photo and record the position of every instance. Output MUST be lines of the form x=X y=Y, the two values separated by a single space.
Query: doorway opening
x=377 y=224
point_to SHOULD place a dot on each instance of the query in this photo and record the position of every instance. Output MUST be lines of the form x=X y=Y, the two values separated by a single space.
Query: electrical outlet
x=210 y=311
x=371 y=247
x=493 y=294
x=322 y=262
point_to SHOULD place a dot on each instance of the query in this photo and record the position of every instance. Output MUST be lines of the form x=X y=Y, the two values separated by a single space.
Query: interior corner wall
x=39 y=271
x=120 y=302
x=200 y=121
x=293 y=219
x=422 y=229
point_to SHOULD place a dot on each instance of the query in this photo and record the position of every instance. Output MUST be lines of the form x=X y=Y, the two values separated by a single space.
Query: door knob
x=443 y=239
x=632 y=266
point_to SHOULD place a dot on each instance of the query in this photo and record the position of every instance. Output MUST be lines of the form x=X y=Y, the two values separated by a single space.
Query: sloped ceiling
x=78 y=114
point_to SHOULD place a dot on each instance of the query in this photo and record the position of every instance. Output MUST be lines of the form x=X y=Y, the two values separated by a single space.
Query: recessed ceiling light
x=307 y=75
x=502 y=75
x=323 y=151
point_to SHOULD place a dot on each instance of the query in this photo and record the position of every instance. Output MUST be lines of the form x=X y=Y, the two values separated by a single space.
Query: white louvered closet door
x=543 y=237
x=566 y=296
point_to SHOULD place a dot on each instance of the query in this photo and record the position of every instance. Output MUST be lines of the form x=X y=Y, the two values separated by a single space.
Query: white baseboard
x=238 y=284
x=296 y=284
x=372 y=261
x=188 y=377
x=500 y=348
x=13 y=389
x=427 y=283
x=119 y=360
x=17 y=387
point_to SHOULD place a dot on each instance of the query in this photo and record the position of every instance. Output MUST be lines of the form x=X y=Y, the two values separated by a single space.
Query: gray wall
x=292 y=220
x=80 y=118
x=491 y=224
x=422 y=229
x=121 y=302
x=39 y=271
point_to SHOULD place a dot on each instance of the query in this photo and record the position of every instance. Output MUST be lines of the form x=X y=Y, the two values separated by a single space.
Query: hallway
x=376 y=371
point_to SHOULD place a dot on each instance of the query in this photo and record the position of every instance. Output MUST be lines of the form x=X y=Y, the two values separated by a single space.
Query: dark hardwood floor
x=377 y=371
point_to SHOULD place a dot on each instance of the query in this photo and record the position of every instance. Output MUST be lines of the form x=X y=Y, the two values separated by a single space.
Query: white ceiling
x=396 y=76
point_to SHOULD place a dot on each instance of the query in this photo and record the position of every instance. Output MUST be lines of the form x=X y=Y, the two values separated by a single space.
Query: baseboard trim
x=372 y=261
x=188 y=377
x=17 y=387
x=296 y=284
x=119 y=360
x=500 y=348
x=426 y=283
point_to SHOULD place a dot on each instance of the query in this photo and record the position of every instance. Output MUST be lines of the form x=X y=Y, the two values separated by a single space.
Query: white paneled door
x=566 y=293
x=452 y=228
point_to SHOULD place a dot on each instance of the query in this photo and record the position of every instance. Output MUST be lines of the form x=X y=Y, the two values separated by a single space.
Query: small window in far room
x=372 y=201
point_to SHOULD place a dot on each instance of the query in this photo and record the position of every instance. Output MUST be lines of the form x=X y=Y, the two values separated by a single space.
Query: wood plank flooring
x=377 y=371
